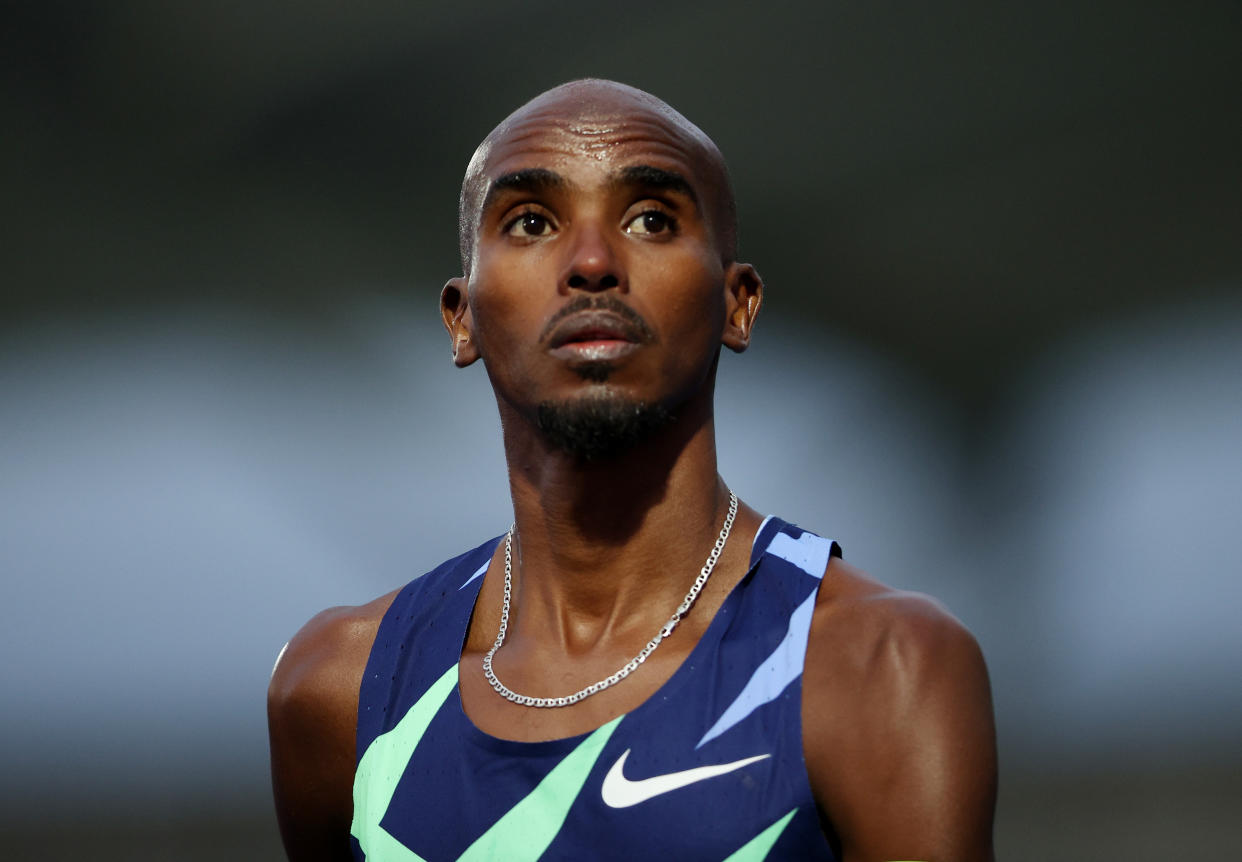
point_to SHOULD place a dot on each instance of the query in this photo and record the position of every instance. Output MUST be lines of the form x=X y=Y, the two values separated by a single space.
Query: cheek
x=494 y=307
x=697 y=301
x=508 y=284
x=507 y=326
x=693 y=315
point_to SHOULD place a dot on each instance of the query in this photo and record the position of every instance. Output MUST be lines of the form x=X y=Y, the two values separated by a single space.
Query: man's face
x=596 y=272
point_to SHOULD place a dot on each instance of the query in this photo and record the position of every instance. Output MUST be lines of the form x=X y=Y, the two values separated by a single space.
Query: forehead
x=588 y=140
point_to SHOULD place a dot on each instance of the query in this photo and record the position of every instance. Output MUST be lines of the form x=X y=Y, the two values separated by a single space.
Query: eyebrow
x=649 y=176
x=530 y=180
x=542 y=180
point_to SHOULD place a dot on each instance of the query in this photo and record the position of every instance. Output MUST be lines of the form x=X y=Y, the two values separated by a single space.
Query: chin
x=599 y=425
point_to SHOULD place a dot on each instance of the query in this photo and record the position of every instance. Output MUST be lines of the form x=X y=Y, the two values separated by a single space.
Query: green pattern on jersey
x=382 y=766
x=525 y=831
x=529 y=827
x=756 y=849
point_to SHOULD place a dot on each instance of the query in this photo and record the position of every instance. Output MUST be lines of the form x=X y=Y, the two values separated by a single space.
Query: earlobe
x=744 y=296
x=455 y=312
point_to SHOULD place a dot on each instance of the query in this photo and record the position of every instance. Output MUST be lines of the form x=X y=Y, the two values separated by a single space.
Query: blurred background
x=999 y=361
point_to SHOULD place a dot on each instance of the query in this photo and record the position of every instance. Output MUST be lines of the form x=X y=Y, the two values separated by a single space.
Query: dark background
x=999 y=359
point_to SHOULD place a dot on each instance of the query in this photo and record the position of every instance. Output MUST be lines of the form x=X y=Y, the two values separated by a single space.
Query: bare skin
x=598 y=190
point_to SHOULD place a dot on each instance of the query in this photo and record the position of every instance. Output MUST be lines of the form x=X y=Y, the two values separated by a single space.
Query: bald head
x=597 y=114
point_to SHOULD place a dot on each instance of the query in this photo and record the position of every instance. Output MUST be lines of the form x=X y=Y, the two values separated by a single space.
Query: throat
x=664 y=632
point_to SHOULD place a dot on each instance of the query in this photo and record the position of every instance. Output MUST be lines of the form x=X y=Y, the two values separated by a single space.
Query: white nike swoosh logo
x=619 y=792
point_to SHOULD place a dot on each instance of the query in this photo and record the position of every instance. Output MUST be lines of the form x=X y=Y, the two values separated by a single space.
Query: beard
x=600 y=426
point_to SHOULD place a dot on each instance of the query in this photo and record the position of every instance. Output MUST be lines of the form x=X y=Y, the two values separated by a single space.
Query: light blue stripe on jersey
x=781 y=668
x=478 y=573
x=810 y=553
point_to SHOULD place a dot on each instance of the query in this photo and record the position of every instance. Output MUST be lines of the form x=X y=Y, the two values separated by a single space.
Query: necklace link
x=630 y=666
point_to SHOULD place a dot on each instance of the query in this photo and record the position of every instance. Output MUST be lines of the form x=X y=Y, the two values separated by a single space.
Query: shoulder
x=875 y=629
x=897 y=717
x=320 y=668
x=312 y=707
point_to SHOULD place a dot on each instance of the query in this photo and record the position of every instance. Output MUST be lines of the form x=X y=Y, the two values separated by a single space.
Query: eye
x=650 y=223
x=529 y=224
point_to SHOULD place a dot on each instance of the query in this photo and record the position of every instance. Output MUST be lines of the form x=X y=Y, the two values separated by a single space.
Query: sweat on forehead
x=589 y=106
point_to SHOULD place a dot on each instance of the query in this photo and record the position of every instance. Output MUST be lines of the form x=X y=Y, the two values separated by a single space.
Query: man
x=643 y=667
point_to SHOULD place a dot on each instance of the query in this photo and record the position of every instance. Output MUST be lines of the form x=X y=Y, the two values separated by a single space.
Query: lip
x=595 y=350
x=594 y=335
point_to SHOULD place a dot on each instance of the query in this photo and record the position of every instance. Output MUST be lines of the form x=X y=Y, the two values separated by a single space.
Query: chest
x=699 y=758
x=494 y=715
x=636 y=787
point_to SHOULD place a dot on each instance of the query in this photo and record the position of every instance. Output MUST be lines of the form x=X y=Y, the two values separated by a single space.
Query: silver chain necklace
x=632 y=664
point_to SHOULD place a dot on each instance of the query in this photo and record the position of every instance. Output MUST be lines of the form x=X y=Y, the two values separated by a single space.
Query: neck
x=613 y=542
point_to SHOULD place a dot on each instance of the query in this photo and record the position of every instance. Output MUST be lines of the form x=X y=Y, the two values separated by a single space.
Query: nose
x=593 y=263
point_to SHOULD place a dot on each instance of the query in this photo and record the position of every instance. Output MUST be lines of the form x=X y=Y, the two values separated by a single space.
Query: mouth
x=594 y=336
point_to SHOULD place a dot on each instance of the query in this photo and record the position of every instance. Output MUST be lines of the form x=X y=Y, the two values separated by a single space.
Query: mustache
x=601 y=302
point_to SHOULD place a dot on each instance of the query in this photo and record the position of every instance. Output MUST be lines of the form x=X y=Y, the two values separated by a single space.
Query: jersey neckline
x=768 y=528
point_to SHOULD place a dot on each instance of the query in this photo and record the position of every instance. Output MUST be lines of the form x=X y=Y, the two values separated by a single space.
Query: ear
x=743 y=297
x=455 y=311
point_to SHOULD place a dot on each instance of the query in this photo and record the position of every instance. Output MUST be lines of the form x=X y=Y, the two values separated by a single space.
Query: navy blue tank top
x=710 y=767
